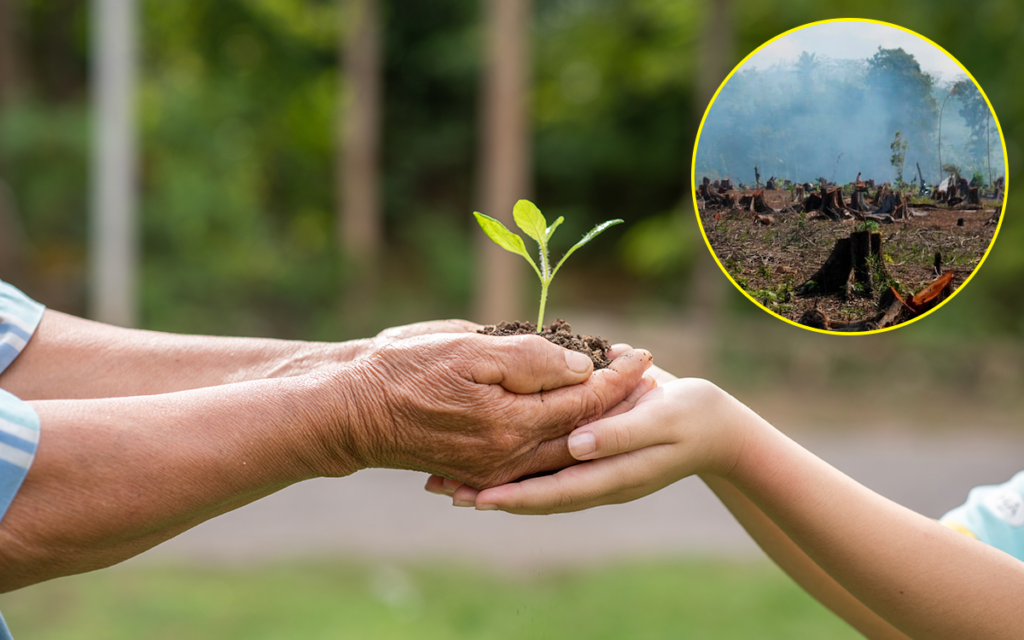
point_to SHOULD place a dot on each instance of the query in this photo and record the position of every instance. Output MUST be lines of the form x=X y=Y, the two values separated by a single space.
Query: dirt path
x=385 y=515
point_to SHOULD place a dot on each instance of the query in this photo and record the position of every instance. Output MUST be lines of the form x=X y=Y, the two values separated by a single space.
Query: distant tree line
x=819 y=117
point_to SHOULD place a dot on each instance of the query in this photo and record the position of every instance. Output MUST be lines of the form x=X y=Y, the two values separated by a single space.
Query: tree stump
x=812 y=203
x=855 y=260
x=879 y=196
x=858 y=202
x=755 y=203
x=832 y=205
x=713 y=197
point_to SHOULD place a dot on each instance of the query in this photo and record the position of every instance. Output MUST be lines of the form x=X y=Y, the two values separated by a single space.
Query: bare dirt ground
x=771 y=261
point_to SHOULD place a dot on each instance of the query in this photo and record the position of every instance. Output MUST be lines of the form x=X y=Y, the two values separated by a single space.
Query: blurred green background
x=238 y=107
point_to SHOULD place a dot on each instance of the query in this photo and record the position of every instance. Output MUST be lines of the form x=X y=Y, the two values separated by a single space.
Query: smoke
x=819 y=117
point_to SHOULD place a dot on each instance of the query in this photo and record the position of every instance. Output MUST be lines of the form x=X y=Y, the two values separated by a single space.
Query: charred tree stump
x=812 y=203
x=880 y=195
x=866 y=251
x=754 y=203
x=858 y=201
x=893 y=203
x=973 y=197
x=855 y=260
x=715 y=199
x=832 y=205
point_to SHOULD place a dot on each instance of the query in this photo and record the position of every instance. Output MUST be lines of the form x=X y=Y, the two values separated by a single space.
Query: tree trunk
x=113 y=243
x=12 y=240
x=505 y=154
x=358 y=178
x=706 y=287
x=10 y=60
x=358 y=225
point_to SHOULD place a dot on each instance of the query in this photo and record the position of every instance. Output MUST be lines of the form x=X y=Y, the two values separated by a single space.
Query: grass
x=676 y=598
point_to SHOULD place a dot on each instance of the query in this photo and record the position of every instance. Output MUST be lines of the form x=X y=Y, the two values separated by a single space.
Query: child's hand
x=679 y=429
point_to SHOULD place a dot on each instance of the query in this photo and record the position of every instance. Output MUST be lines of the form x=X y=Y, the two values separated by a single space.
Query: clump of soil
x=559 y=332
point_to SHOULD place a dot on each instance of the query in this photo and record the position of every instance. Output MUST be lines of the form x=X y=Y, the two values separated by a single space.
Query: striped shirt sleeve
x=19 y=317
x=19 y=424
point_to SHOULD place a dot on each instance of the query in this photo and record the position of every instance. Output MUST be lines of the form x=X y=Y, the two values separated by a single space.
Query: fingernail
x=463 y=503
x=577 y=362
x=487 y=507
x=582 y=444
x=449 y=486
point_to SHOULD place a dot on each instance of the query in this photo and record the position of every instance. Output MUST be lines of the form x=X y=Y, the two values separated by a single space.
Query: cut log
x=935 y=292
x=815 y=319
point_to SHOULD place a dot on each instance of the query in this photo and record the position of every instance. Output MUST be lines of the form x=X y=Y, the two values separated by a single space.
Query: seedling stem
x=529 y=218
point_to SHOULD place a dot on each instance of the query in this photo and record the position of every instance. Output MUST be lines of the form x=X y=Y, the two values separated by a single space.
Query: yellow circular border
x=1002 y=212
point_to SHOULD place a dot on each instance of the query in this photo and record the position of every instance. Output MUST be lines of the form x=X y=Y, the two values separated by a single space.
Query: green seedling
x=529 y=218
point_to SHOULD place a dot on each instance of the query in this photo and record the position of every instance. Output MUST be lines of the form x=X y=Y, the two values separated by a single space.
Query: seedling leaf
x=529 y=218
x=593 y=233
x=532 y=222
x=504 y=238
x=551 y=229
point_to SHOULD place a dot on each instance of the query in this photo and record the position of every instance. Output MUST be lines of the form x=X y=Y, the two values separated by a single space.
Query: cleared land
x=771 y=261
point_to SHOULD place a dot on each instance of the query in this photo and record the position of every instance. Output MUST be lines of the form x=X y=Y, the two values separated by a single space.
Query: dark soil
x=561 y=334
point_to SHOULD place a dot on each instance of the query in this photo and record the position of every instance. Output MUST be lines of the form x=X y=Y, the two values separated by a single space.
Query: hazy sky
x=855 y=40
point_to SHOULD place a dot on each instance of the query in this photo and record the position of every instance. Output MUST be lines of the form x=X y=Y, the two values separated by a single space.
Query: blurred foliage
x=238 y=107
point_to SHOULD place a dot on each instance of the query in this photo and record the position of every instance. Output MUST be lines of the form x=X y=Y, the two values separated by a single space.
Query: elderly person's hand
x=480 y=409
x=447 y=485
x=416 y=329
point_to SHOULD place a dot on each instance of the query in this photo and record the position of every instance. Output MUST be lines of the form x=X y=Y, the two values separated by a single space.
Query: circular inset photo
x=849 y=176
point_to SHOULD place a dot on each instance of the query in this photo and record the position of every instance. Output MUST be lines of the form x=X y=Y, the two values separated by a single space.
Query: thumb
x=529 y=364
x=635 y=429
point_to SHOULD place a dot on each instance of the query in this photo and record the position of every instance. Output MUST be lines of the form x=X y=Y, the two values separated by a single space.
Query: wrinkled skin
x=416 y=329
x=479 y=409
